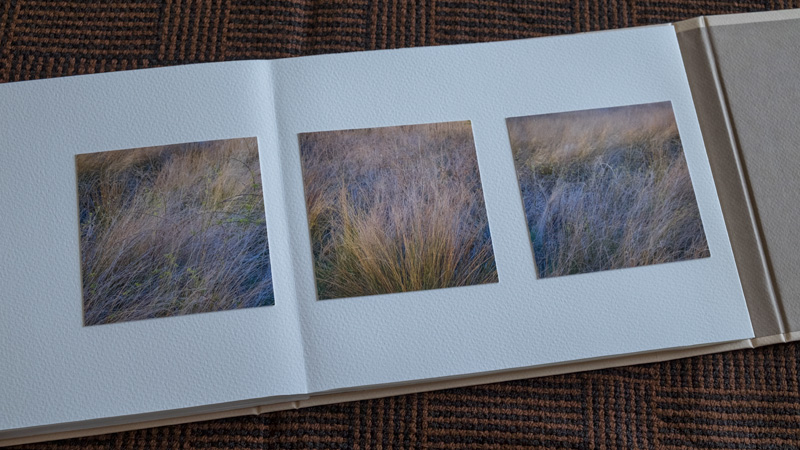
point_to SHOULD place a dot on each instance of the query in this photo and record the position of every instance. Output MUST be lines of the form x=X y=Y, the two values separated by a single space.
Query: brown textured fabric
x=745 y=399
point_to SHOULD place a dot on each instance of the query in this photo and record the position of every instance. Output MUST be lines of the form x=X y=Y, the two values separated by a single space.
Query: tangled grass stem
x=172 y=230
x=396 y=209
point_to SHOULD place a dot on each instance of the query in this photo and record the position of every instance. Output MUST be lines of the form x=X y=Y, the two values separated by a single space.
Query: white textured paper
x=55 y=370
x=521 y=321
x=52 y=368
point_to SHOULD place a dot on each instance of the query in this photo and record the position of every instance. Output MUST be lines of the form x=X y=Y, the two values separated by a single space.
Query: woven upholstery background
x=744 y=399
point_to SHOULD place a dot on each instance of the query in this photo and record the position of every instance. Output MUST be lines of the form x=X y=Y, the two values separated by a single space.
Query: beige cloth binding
x=743 y=72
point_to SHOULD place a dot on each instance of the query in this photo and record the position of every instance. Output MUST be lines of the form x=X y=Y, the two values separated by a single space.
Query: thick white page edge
x=521 y=321
x=56 y=370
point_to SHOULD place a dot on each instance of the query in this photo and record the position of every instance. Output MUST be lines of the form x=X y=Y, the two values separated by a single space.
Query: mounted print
x=396 y=209
x=172 y=230
x=606 y=189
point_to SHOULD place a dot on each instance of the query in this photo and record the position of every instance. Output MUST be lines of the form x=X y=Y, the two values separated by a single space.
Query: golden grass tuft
x=395 y=209
x=606 y=189
x=172 y=230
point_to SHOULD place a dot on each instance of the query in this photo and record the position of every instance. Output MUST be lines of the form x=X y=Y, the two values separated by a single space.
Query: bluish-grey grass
x=606 y=189
x=172 y=230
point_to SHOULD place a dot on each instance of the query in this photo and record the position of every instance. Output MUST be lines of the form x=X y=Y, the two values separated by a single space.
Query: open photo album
x=219 y=239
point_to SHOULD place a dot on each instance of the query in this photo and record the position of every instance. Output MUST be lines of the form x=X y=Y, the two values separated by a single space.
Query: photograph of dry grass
x=172 y=230
x=395 y=209
x=606 y=189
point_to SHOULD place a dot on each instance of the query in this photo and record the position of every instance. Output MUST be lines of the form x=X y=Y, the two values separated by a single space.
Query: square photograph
x=172 y=230
x=606 y=189
x=395 y=209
